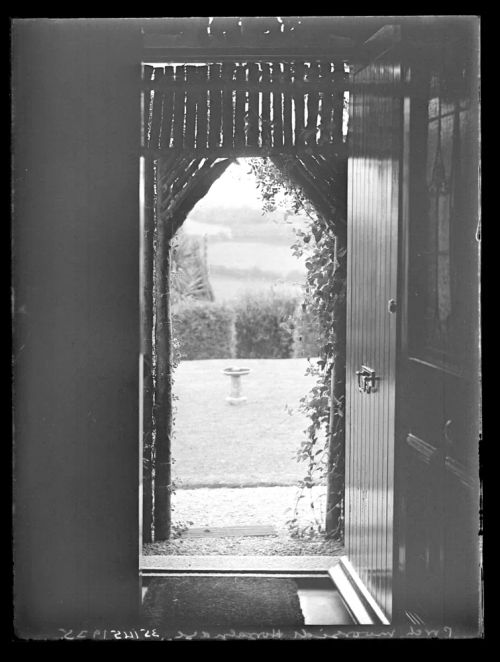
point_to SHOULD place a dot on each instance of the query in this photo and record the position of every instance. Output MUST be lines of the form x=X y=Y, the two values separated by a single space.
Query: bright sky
x=235 y=188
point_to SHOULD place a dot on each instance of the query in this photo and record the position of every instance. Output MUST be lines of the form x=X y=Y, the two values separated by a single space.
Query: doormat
x=229 y=531
x=174 y=603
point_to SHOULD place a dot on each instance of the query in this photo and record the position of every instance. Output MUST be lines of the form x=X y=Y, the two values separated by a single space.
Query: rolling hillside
x=246 y=250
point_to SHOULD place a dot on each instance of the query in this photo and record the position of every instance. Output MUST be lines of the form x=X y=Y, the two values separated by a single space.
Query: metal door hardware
x=367 y=379
x=448 y=432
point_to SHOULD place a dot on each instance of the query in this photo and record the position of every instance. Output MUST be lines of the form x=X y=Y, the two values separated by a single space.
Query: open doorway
x=263 y=301
x=246 y=348
x=246 y=312
x=250 y=467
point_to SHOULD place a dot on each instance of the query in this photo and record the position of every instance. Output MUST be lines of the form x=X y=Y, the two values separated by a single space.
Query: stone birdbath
x=235 y=397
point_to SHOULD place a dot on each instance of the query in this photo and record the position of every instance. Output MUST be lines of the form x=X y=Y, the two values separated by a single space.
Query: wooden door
x=373 y=213
x=438 y=494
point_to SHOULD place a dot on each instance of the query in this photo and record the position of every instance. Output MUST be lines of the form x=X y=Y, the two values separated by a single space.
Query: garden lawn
x=220 y=445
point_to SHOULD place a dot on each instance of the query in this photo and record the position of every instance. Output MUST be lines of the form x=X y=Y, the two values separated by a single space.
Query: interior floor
x=235 y=601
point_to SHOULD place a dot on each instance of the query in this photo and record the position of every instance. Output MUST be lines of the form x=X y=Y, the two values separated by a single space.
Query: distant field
x=239 y=267
x=228 y=288
x=247 y=255
x=216 y=443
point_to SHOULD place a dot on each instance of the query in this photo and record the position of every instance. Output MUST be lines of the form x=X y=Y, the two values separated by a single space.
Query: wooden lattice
x=182 y=181
x=241 y=109
x=189 y=133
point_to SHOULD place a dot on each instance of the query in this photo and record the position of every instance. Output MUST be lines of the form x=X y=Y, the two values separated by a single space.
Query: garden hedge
x=204 y=330
x=268 y=325
x=264 y=326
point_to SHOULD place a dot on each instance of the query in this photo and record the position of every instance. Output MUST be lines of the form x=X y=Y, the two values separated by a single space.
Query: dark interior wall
x=76 y=139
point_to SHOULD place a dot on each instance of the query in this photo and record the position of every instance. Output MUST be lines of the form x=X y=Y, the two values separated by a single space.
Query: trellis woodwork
x=246 y=109
x=195 y=116
x=147 y=350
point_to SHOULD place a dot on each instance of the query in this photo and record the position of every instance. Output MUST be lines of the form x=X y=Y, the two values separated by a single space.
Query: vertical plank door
x=372 y=245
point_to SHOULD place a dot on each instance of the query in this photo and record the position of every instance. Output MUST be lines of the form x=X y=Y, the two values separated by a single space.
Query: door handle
x=367 y=379
x=448 y=433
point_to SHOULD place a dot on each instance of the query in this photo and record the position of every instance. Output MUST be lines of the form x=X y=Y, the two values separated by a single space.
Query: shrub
x=264 y=325
x=204 y=330
x=189 y=275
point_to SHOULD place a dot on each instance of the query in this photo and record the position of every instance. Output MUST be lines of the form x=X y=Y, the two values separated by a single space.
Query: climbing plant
x=322 y=449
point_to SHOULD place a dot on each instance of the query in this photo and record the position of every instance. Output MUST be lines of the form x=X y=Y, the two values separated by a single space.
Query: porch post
x=163 y=368
x=147 y=350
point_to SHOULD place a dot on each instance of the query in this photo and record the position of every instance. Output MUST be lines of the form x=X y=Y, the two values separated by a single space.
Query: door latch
x=367 y=379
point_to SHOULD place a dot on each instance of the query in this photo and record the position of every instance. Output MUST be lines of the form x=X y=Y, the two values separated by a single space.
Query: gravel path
x=248 y=505
x=280 y=546
x=207 y=507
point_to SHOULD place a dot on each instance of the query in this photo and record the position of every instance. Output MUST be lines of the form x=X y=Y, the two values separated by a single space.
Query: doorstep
x=256 y=530
x=154 y=566
x=321 y=603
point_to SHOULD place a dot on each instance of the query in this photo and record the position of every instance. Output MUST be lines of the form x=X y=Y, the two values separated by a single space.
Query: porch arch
x=295 y=119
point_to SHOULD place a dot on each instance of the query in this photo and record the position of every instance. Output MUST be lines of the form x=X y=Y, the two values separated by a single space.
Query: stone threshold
x=229 y=531
x=256 y=565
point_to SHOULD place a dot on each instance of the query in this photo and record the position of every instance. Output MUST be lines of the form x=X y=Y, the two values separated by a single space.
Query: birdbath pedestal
x=235 y=397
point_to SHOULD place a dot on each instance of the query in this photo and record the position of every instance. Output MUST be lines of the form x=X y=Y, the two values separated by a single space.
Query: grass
x=248 y=255
x=231 y=288
x=220 y=445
